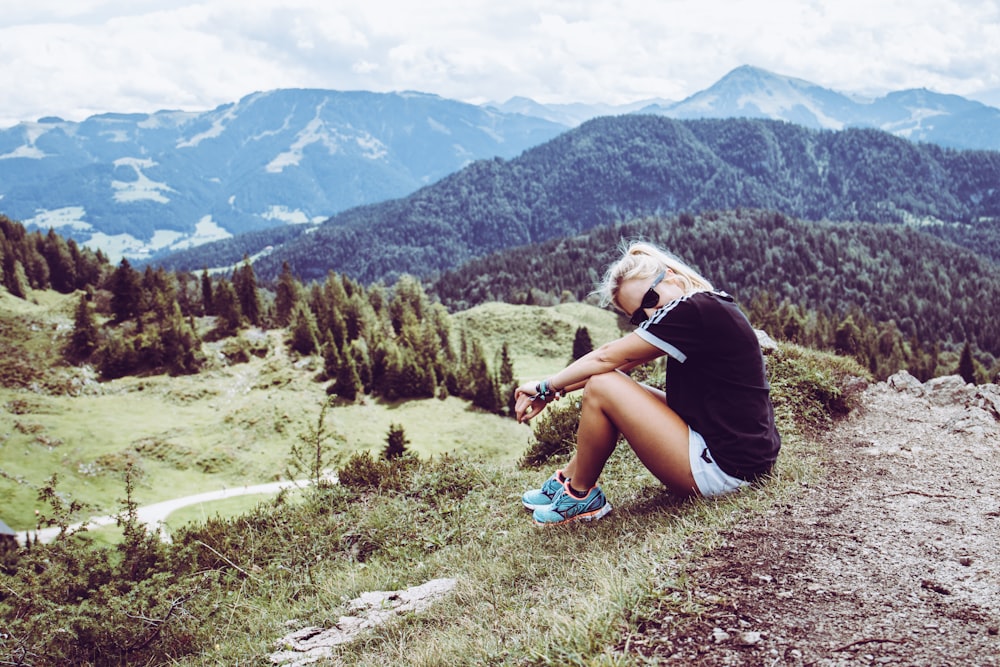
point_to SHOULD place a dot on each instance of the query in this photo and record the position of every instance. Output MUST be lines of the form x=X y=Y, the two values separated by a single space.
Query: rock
x=312 y=644
x=767 y=344
x=988 y=398
x=949 y=390
x=750 y=638
x=719 y=635
x=975 y=422
x=903 y=382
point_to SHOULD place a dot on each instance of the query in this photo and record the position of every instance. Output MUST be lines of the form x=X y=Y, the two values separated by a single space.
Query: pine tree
x=83 y=341
x=227 y=309
x=348 y=384
x=305 y=334
x=62 y=268
x=484 y=389
x=966 y=368
x=126 y=291
x=582 y=344
x=286 y=296
x=505 y=383
x=245 y=284
x=207 y=293
x=396 y=443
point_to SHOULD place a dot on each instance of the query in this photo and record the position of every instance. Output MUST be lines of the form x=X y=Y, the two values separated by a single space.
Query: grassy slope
x=226 y=426
x=235 y=424
x=524 y=596
x=539 y=339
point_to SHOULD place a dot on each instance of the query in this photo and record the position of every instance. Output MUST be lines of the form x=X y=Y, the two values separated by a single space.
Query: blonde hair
x=644 y=260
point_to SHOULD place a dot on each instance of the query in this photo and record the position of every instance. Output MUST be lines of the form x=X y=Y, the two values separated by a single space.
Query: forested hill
x=618 y=168
x=933 y=290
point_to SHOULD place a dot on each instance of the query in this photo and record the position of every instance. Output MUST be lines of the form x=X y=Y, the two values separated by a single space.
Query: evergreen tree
x=304 y=333
x=396 y=442
x=347 y=384
x=126 y=291
x=62 y=268
x=16 y=280
x=582 y=344
x=245 y=284
x=848 y=337
x=966 y=367
x=506 y=383
x=286 y=296
x=484 y=391
x=226 y=308
x=362 y=362
x=180 y=344
x=84 y=339
x=207 y=293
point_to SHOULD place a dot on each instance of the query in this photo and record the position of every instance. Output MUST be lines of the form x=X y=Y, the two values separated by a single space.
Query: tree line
x=391 y=342
x=898 y=298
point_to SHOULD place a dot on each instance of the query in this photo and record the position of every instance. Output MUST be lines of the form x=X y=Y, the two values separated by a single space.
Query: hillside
x=135 y=184
x=615 y=169
x=233 y=423
x=931 y=289
x=667 y=579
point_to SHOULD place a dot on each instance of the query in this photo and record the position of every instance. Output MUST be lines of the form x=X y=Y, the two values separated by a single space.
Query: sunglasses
x=649 y=299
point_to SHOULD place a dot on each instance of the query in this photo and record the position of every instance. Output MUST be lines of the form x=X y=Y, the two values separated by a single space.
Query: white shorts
x=710 y=479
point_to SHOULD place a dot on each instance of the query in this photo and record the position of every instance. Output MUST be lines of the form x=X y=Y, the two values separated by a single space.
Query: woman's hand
x=526 y=406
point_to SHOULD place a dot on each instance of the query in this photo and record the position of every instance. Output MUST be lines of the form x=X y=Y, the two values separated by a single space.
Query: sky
x=76 y=58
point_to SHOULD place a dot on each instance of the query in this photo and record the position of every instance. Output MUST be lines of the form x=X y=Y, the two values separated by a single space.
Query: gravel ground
x=892 y=558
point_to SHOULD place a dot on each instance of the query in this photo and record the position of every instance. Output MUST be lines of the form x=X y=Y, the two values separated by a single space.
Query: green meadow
x=235 y=424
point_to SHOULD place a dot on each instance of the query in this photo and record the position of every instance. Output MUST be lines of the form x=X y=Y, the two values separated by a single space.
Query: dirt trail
x=155 y=516
x=893 y=558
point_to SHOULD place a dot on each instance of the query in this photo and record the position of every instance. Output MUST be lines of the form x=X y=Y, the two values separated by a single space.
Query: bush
x=555 y=435
x=809 y=389
x=363 y=472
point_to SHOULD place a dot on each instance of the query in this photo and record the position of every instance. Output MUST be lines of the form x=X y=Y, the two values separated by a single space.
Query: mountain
x=614 y=169
x=917 y=115
x=134 y=184
x=750 y=92
x=572 y=114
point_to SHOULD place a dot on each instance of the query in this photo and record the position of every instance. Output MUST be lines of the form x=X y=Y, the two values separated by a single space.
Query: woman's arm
x=623 y=354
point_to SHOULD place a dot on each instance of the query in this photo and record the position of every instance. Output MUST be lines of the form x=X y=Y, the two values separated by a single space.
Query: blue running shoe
x=537 y=498
x=566 y=507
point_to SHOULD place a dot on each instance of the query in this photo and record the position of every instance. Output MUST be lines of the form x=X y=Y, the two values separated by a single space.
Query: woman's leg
x=614 y=403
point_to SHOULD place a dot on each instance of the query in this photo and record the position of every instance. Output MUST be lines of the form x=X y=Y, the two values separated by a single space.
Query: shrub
x=809 y=389
x=364 y=472
x=555 y=435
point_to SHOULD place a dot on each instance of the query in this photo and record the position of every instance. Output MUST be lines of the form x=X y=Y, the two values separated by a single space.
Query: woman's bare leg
x=613 y=403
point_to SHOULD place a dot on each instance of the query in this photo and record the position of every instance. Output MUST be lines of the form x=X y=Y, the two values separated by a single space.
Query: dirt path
x=155 y=516
x=893 y=558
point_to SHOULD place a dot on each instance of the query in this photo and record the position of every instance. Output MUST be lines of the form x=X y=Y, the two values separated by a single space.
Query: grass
x=524 y=596
x=235 y=424
x=539 y=339
x=561 y=596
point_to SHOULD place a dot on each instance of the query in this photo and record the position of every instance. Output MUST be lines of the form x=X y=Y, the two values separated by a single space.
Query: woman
x=710 y=433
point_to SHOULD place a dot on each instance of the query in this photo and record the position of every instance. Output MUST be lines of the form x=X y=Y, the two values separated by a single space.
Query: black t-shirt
x=716 y=379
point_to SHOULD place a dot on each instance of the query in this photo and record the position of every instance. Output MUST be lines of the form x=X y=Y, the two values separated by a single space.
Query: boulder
x=903 y=382
x=949 y=390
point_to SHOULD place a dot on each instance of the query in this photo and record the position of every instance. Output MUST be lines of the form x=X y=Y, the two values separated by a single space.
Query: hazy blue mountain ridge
x=143 y=185
x=750 y=92
x=287 y=156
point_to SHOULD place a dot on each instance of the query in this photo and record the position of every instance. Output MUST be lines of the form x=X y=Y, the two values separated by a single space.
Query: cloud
x=76 y=59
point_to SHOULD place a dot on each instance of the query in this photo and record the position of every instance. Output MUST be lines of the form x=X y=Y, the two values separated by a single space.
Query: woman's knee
x=604 y=385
